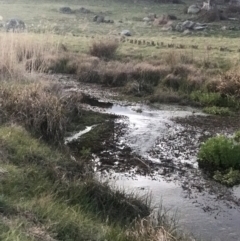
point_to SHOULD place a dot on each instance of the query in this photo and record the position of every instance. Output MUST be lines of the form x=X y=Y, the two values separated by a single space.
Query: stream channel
x=170 y=136
x=165 y=139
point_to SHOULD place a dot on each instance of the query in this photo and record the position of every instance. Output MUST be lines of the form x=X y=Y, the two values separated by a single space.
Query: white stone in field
x=193 y=9
x=126 y=33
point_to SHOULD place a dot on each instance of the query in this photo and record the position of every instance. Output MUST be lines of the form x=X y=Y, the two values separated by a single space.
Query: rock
x=126 y=33
x=98 y=19
x=193 y=9
x=224 y=28
x=66 y=10
x=15 y=24
x=190 y=25
x=233 y=19
x=199 y=28
x=146 y=19
x=83 y=10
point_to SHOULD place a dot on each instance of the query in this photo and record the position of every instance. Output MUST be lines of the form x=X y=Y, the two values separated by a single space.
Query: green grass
x=42 y=191
x=77 y=30
x=214 y=110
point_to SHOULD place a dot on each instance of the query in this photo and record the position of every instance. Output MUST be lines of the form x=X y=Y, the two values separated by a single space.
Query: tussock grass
x=104 y=48
x=230 y=83
x=38 y=110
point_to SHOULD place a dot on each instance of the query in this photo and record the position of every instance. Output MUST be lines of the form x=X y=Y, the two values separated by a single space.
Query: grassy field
x=77 y=30
x=45 y=194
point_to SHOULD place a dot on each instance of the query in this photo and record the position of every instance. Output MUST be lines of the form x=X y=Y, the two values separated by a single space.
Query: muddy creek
x=165 y=140
x=170 y=136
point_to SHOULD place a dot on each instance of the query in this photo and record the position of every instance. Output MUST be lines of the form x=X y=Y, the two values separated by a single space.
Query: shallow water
x=170 y=137
x=205 y=209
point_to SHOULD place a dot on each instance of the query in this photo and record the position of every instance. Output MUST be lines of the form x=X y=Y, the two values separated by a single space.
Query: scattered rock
x=193 y=9
x=66 y=10
x=190 y=25
x=83 y=10
x=126 y=33
x=101 y=19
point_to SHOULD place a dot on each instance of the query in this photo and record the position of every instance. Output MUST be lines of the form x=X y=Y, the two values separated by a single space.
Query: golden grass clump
x=104 y=48
x=23 y=53
x=229 y=83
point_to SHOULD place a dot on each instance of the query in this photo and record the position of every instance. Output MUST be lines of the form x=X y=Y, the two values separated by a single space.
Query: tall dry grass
x=21 y=54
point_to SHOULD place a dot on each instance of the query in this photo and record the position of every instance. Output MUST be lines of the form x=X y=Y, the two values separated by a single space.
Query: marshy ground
x=141 y=99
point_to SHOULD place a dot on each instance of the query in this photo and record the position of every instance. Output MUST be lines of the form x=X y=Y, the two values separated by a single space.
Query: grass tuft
x=104 y=49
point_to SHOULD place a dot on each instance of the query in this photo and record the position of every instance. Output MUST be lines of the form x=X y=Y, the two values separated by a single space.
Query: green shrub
x=237 y=136
x=213 y=99
x=230 y=178
x=219 y=153
x=214 y=110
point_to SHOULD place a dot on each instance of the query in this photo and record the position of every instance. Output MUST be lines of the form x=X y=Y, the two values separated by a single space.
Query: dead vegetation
x=104 y=49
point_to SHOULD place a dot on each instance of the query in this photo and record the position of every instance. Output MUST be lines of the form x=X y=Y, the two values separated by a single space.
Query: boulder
x=193 y=9
x=126 y=33
x=98 y=19
x=66 y=10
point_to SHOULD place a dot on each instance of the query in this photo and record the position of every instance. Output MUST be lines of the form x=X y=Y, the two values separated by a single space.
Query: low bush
x=220 y=156
x=214 y=99
x=104 y=49
x=229 y=84
x=219 y=153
